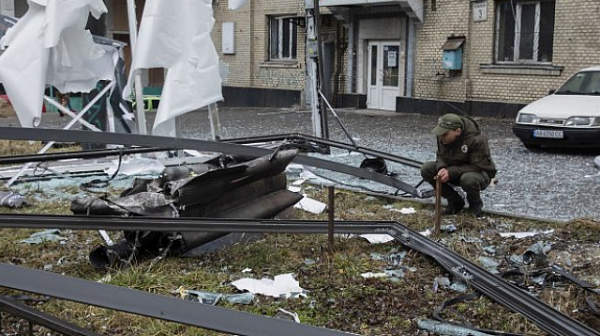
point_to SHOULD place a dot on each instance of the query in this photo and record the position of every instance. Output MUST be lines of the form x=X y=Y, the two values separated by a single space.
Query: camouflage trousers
x=472 y=183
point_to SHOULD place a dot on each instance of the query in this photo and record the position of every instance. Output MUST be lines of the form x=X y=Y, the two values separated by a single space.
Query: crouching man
x=462 y=159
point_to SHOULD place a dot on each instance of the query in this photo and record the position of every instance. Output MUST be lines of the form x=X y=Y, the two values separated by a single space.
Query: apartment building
x=512 y=52
x=478 y=57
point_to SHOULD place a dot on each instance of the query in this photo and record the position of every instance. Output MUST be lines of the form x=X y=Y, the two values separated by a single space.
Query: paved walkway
x=539 y=184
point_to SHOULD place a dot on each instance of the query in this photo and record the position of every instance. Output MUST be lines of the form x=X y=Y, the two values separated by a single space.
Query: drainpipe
x=341 y=50
x=350 y=53
x=411 y=36
x=467 y=63
x=252 y=9
x=139 y=95
x=325 y=127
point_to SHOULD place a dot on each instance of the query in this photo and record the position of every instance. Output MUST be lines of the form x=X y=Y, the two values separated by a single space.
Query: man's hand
x=444 y=175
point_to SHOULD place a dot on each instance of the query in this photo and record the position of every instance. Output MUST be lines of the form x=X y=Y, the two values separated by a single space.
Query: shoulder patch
x=464 y=148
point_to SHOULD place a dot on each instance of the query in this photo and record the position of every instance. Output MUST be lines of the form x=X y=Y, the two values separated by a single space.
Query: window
x=284 y=38
x=525 y=31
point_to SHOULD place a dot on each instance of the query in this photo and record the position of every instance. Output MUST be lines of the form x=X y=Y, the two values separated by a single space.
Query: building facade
x=365 y=49
x=513 y=52
x=485 y=57
x=262 y=52
x=477 y=57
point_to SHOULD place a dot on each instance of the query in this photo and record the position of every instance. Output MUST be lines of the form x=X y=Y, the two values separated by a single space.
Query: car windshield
x=583 y=83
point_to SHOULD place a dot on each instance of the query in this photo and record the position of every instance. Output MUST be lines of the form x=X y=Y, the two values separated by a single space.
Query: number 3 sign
x=479 y=11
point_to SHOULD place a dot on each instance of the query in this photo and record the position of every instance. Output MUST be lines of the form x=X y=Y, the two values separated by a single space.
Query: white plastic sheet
x=49 y=45
x=177 y=38
x=377 y=238
x=282 y=286
x=310 y=205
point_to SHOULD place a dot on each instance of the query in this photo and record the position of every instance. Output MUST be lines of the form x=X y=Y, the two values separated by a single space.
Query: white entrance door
x=386 y=74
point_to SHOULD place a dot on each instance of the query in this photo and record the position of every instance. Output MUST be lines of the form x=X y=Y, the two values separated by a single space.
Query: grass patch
x=338 y=296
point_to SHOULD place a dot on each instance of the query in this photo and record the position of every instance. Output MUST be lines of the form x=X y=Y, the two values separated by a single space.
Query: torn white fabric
x=311 y=205
x=49 y=45
x=407 y=211
x=377 y=238
x=370 y=275
x=177 y=38
x=237 y=4
x=282 y=286
x=294 y=188
x=426 y=233
x=404 y=211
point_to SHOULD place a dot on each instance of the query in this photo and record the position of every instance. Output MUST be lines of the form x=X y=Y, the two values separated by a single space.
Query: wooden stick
x=438 y=206
x=331 y=213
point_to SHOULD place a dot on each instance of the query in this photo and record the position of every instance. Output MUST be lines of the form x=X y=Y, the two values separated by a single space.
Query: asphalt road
x=545 y=184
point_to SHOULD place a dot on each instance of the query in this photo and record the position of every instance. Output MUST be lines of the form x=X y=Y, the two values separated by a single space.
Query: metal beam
x=76 y=155
x=20 y=310
x=152 y=305
x=494 y=287
x=44 y=134
x=330 y=143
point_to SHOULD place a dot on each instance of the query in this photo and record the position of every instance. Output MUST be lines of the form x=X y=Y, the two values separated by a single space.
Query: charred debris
x=226 y=187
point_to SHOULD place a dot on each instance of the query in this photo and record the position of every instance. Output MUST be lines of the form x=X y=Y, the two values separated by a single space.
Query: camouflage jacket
x=469 y=153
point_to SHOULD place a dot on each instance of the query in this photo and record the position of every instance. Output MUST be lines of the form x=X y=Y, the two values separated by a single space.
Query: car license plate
x=548 y=134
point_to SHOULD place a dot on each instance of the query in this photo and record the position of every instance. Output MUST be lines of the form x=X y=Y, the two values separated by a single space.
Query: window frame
x=517 y=14
x=293 y=38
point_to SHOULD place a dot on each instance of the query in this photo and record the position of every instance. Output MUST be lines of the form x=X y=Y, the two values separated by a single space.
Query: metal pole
x=320 y=69
x=331 y=213
x=338 y=119
x=215 y=124
x=139 y=94
x=71 y=114
x=312 y=65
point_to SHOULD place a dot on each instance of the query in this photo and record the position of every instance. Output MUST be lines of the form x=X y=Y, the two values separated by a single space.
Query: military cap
x=447 y=122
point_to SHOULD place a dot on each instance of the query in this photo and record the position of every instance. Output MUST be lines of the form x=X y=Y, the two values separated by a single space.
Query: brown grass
x=339 y=297
x=6 y=109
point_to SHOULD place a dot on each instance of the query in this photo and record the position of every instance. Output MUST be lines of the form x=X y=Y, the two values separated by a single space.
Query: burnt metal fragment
x=251 y=189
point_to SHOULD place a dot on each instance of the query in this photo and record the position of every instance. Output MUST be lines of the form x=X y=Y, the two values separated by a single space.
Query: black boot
x=454 y=207
x=476 y=208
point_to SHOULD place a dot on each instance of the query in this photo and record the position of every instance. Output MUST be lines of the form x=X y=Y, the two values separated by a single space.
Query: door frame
x=375 y=93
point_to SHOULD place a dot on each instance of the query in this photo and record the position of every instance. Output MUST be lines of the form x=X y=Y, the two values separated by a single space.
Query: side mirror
x=551 y=91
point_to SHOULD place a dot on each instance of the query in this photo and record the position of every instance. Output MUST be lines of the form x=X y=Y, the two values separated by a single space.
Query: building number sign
x=479 y=11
